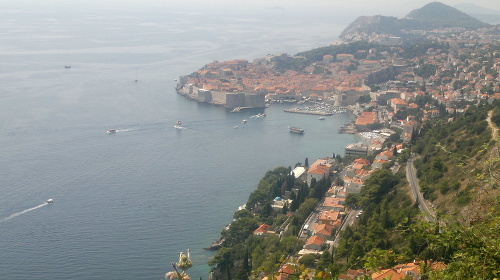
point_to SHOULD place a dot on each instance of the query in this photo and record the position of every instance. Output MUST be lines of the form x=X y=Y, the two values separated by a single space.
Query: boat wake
x=23 y=212
x=112 y=131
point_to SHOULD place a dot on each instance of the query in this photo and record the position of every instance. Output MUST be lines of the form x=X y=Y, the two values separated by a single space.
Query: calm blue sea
x=127 y=203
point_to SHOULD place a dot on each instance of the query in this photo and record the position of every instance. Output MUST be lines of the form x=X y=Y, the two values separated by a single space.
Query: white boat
x=50 y=201
x=244 y=121
x=321 y=118
x=178 y=125
x=111 y=131
x=236 y=127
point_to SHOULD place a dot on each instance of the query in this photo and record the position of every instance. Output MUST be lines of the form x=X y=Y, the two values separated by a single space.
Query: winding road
x=411 y=176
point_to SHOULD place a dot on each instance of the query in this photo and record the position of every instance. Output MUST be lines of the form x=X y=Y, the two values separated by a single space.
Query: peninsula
x=411 y=200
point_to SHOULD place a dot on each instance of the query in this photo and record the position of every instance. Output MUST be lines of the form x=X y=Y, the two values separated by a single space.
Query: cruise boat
x=295 y=129
x=111 y=131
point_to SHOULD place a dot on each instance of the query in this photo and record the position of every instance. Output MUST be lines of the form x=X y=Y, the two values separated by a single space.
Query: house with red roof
x=334 y=203
x=322 y=230
x=262 y=230
x=329 y=217
x=314 y=243
x=397 y=104
x=320 y=169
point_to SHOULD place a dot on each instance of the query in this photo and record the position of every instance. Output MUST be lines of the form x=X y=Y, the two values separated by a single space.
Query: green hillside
x=458 y=163
x=459 y=171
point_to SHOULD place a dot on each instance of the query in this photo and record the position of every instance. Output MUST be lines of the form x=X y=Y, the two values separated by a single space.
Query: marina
x=322 y=109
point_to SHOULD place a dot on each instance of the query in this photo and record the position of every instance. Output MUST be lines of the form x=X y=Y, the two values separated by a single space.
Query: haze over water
x=127 y=203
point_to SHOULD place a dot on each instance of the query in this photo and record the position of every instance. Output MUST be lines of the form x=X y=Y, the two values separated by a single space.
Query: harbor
x=321 y=109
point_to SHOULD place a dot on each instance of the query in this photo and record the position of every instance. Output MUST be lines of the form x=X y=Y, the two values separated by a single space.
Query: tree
x=184 y=264
x=308 y=260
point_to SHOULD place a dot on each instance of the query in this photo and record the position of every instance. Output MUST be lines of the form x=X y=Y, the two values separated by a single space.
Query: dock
x=298 y=111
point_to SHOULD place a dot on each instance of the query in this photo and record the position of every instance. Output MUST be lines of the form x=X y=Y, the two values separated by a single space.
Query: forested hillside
x=458 y=161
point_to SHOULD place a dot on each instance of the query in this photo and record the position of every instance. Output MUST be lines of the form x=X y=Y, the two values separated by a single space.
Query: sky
x=398 y=8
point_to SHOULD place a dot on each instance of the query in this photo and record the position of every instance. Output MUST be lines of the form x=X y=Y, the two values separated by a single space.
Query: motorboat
x=244 y=121
x=111 y=131
x=236 y=127
x=50 y=201
x=295 y=129
x=321 y=118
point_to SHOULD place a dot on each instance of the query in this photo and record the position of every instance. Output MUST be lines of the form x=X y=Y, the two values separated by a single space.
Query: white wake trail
x=23 y=212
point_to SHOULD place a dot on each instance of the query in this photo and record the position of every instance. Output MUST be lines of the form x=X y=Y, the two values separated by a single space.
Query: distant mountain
x=470 y=8
x=487 y=15
x=431 y=16
x=369 y=24
x=437 y=14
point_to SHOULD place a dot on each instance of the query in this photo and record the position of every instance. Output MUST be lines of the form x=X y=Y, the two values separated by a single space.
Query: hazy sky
x=397 y=8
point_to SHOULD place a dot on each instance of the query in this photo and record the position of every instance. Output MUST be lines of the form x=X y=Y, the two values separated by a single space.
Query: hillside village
x=407 y=85
x=393 y=89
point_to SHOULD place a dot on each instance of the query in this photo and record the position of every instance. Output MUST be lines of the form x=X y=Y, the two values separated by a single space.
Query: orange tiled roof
x=314 y=240
x=262 y=228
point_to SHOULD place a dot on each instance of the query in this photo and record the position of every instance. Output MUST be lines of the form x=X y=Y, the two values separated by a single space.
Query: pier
x=299 y=111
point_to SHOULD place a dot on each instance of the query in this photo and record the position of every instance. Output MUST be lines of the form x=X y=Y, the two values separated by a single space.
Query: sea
x=126 y=203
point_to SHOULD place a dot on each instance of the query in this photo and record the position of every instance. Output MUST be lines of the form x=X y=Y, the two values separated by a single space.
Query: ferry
x=296 y=130
x=111 y=131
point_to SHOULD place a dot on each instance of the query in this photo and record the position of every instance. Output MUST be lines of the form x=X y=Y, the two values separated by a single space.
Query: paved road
x=348 y=221
x=411 y=175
